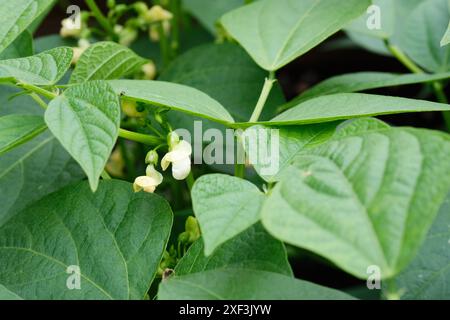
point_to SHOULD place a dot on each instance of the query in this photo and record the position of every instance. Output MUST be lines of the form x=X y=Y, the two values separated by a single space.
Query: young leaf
x=275 y=32
x=224 y=206
x=16 y=16
x=243 y=284
x=363 y=200
x=270 y=150
x=18 y=129
x=115 y=237
x=426 y=25
x=446 y=38
x=360 y=81
x=86 y=119
x=174 y=96
x=45 y=68
x=21 y=47
x=428 y=275
x=105 y=61
x=351 y=105
x=252 y=249
x=209 y=12
x=32 y=171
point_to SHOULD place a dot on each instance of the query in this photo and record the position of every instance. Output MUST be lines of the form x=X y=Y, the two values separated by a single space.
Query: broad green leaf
x=243 y=284
x=224 y=206
x=359 y=125
x=32 y=171
x=45 y=68
x=105 y=61
x=5 y=294
x=21 y=47
x=351 y=105
x=252 y=249
x=428 y=275
x=275 y=32
x=209 y=12
x=362 y=200
x=16 y=16
x=446 y=38
x=18 y=129
x=271 y=149
x=86 y=119
x=354 y=82
x=421 y=37
x=116 y=237
x=174 y=96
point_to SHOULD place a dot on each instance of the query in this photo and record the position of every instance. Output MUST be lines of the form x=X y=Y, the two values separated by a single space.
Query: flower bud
x=151 y=157
x=149 y=71
x=157 y=14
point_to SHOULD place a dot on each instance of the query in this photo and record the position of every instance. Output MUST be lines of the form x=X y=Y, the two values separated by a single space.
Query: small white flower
x=149 y=71
x=149 y=182
x=180 y=157
x=69 y=29
x=157 y=14
x=83 y=44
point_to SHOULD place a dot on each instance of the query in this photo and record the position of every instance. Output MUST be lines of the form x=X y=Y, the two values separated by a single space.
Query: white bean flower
x=149 y=182
x=180 y=157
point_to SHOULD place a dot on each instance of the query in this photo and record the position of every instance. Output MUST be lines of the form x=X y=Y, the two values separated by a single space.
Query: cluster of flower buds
x=179 y=156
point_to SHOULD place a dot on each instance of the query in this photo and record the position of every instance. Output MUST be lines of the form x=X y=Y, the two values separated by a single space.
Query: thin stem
x=268 y=84
x=38 y=90
x=190 y=180
x=38 y=100
x=164 y=45
x=239 y=170
x=102 y=20
x=176 y=10
x=105 y=175
x=392 y=292
x=139 y=137
x=437 y=86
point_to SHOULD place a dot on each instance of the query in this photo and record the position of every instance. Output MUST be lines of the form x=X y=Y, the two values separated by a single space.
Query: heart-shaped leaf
x=363 y=200
x=428 y=275
x=351 y=105
x=104 y=61
x=114 y=238
x=243 y=284
x=253 y=249
x=45 y=68
x=174 y=96
x=16 y=16
x=275 y=32
x=18 y=129
x=85 y=119
x=224 y=206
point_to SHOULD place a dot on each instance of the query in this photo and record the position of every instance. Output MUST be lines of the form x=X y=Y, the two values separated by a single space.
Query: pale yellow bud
x=157 y=14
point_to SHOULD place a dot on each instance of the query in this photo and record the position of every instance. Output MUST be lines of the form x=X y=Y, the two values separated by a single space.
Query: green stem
x=102 y=20
x=176 y=11
x=239 y=170
x=391 y=292
x=163 y=42
x=38 y=100
x=139 y=137
x=190 y=180
x=105 y=175
x=437 y=86
x=268 y=84
x=38 y=90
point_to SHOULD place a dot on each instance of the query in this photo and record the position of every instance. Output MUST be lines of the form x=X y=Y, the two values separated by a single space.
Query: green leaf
x=86 y=119
x=428 y=275
x=243 y=284
x=18 y=129
x=362 y=200
x=21 y=47
x=351 y=105
x=174 y=96
x=16 y=16
x=446 y=38
x=116 y=237
x=275 y=32
x=270 y=150
x=421 y=37
x=5 y=294
x=252 y=249
x=359 y=125
x=105 y=61
x=224 y=206
x=354 y=82
x=33 y=170
x=209 y=12
x=45 y=68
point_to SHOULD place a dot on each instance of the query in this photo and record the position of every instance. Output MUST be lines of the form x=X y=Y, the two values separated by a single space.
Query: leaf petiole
x=268 y=84
x=140 y=137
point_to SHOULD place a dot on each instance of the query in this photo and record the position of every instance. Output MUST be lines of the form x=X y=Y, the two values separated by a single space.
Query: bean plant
x=104 y=197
